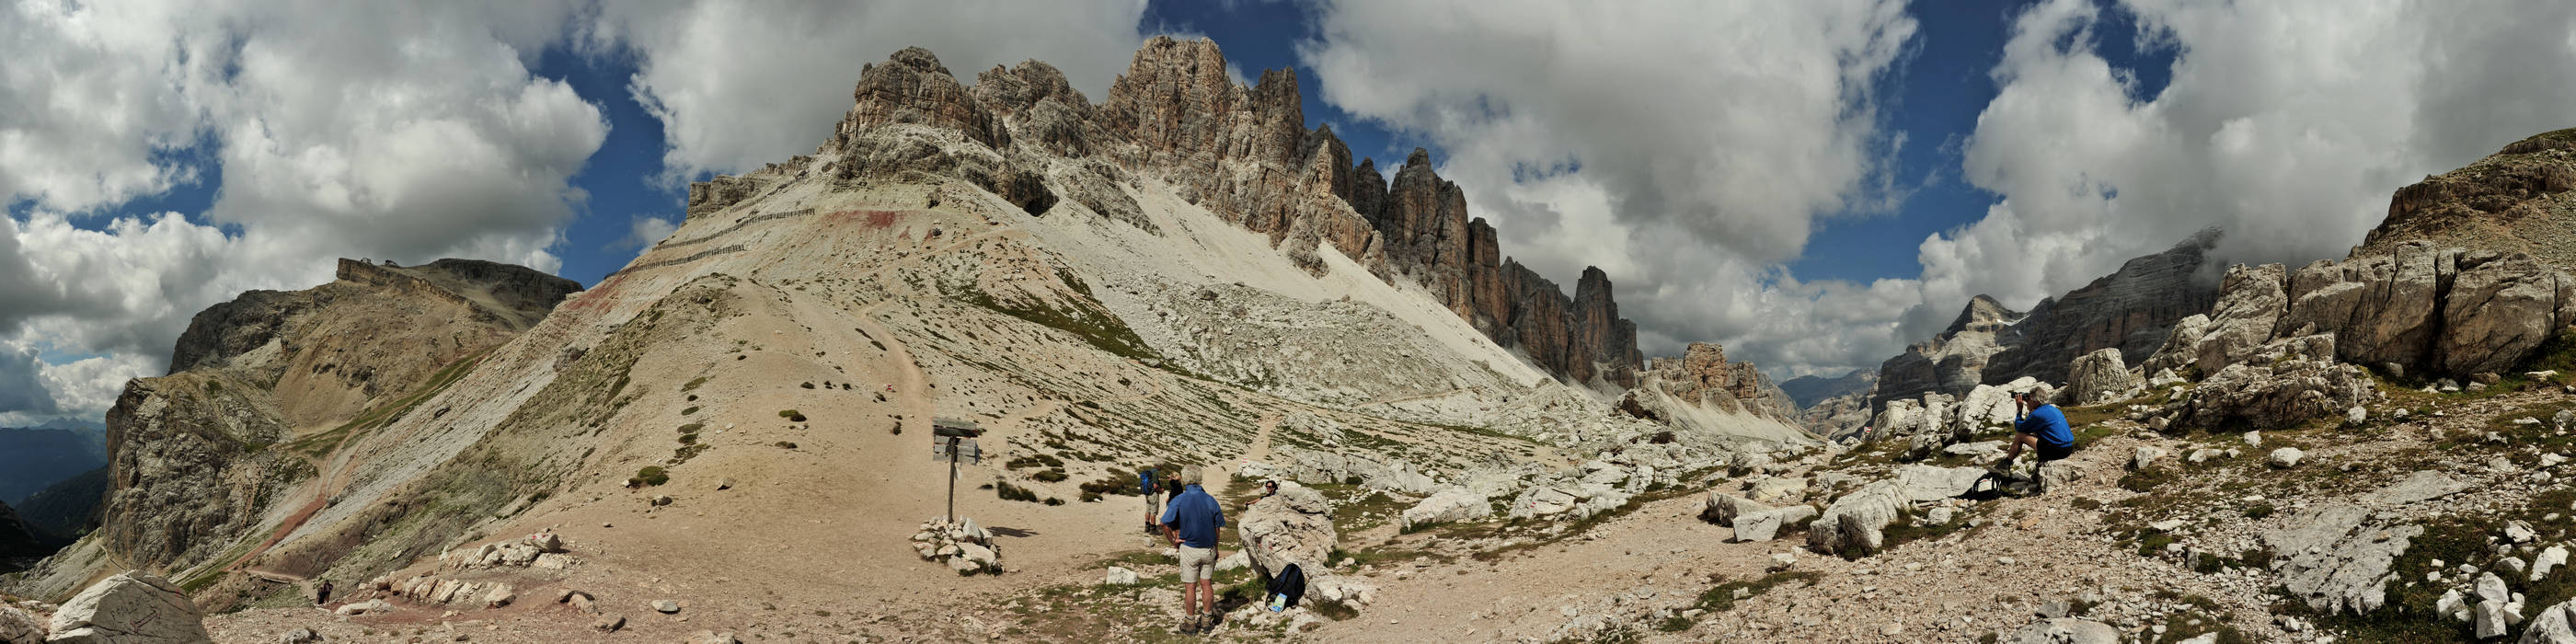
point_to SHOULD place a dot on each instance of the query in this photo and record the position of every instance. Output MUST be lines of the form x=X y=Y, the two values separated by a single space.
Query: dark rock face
x=1806 y=391
x=2130 y=310
x=1951 y=363
x=1242 y=153
x=18 y=540
x=191 y=463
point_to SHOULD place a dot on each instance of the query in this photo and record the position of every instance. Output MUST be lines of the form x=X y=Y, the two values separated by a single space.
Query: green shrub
x=693 y=409
x=808 y=385
x=1050 y=476
x=1010 y=492
x=692 y=428
x=791 y=415
x=650 y=475
x=785 y=445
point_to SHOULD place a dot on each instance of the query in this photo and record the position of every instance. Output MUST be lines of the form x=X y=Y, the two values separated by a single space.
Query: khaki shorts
x=1197 y=564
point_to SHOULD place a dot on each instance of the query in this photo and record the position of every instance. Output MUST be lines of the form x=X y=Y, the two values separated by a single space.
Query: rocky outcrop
x=1952 y=362
x=2131 y=309
x=1700 y=390
x=130 y=608
x=2416 y=310
x=2101 y=377
x=2295 y=381
x=1294 y=526
x=1451 y=505
x=1242 y=152
x=2521 y=199
x=194 y=457
x=2333 y=562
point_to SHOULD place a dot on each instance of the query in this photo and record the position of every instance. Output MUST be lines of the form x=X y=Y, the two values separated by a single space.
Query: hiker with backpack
x=1190 y=523
x=1153 y=499
x=2039 y=425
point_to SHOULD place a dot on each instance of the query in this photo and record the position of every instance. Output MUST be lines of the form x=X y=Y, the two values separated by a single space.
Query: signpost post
x=954 y=440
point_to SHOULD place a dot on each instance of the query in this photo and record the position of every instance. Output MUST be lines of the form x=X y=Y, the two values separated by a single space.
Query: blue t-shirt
x=2048 y=424
x=1196 y=516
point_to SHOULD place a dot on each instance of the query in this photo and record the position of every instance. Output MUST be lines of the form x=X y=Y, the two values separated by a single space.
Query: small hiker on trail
x=2040 y=426
x=1153 y=499
x=1190 y=524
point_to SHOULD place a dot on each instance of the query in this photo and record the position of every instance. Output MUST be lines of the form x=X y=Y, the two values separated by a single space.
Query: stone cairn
x=965 y=547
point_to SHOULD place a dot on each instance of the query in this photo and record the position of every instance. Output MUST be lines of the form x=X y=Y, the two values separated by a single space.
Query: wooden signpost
x=954 y=440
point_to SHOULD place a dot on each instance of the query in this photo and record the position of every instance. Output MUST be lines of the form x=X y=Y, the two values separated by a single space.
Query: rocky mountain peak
x=2520 y=199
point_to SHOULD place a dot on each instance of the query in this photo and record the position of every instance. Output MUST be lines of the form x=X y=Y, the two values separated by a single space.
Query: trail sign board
x=954 y=441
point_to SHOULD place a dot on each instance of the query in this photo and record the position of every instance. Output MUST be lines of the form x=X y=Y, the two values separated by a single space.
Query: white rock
x=2254 y=439
x=2356 y=415
x=2287 y=457
x=2146 y=456
x=18 y=627
x=2549 y=559
x=2492 y=620
x=1120 y=577
x=1783 y=561
x=133 y=607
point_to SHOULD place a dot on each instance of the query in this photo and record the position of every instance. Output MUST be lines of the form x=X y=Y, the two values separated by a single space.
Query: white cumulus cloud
x=741 y=83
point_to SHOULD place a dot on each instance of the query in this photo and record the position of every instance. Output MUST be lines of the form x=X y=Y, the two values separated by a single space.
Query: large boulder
x=1928 y=483
x=2182 y=346
x=1858 y=520
x=2279 y=395
x=134 y=607
x=1451 y=505
x=2101 y=377
x=1722 y=508
x=18 y=627
x=2499 y=310
x=1294 y=526
x=1764 y=525
x=2333 y=560
x=2553 y=625
x=2250 y=305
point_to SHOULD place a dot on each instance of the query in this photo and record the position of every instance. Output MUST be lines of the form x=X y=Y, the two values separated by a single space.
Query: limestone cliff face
x=1242 y=152
x=265 y=382
x=1701 y=390
x=2417 y=310
x=1952 y=362
x=2130 y=310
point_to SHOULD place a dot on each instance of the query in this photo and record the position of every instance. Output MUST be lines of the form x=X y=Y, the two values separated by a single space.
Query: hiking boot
x=1207 y=623
x=1189 y=626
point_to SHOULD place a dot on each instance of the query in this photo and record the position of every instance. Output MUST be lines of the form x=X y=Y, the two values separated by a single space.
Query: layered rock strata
x=2416 y=310
x=1242 y=152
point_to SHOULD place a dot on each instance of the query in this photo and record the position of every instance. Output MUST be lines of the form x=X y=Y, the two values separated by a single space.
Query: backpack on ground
x=1286 y=588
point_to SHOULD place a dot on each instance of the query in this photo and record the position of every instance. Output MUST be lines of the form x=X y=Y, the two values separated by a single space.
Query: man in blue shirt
x=2038 y=425
x=1190 y=523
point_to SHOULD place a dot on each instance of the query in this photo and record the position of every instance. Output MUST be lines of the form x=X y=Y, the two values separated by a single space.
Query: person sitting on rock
x=1190 y=524
x=2040 y=426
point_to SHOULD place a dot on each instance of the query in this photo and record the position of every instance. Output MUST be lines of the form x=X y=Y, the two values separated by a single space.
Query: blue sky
x=1813 y=184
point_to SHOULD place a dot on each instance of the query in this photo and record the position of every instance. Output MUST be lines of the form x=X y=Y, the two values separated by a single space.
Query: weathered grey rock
x=2287 y=457
x=2552 y=625
x=712 y=637
x=1927 y=483
x=18 y=627
x=2250 y=304
x=2146 y=457
x=2329 y=559
x=1858 y=519
x=1766 y=525
x=608 y=623
x=134 y=607
x=1119 y=576
x=1722 y=509
x=2059 y=475
x=2550 y=559
x=2065 y=630
x=2280 y=395
x=2493 y=619
x=2423 y=485
x=1779 y=490
x=297 y=636
x=1294 y=526
x=369 y=607
x=2498 y=310
x=1451 y=505
x=2101 y=377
